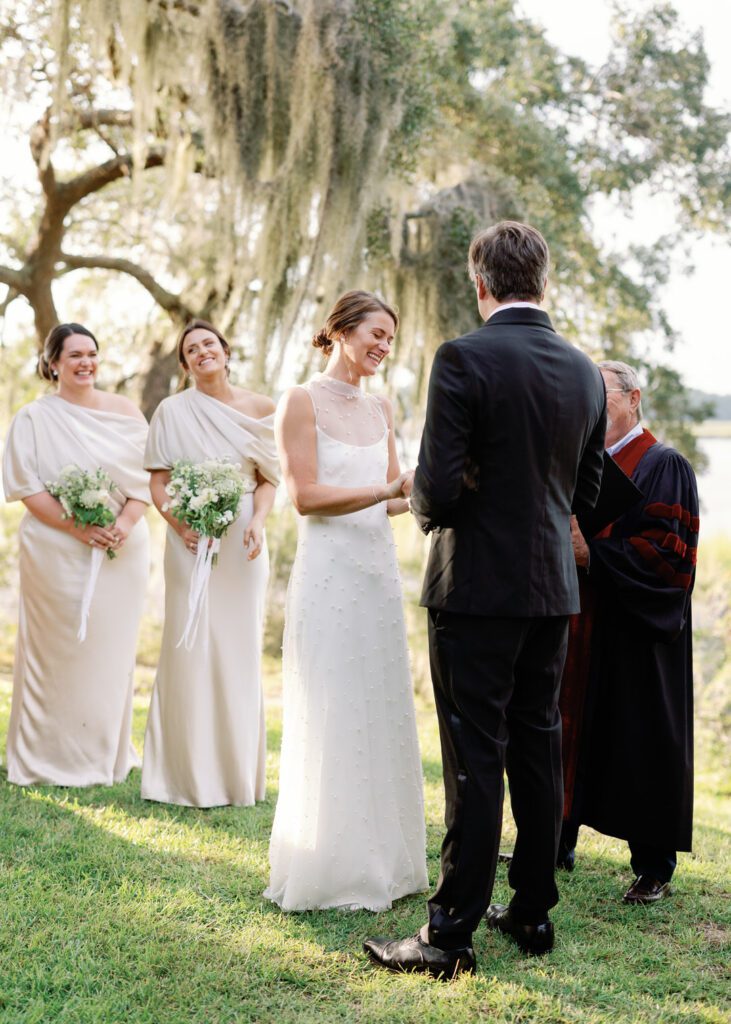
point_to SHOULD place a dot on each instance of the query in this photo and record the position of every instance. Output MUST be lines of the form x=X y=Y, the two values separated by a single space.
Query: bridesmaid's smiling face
x=78 y=363
x=204 y=355
x=368 y=344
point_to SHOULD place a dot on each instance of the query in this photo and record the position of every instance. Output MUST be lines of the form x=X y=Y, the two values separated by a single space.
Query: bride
x=349 y=825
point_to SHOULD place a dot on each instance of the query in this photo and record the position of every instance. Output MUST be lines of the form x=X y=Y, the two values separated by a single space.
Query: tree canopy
x=246 y=162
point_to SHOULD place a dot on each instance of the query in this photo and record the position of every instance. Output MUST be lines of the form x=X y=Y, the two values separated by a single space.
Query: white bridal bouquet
x=206 y=496
x=86 y=497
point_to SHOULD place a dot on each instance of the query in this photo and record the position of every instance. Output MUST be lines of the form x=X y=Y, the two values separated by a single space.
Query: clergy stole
x=574 y=684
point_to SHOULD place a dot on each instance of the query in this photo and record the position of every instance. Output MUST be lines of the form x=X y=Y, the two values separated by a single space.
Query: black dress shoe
x=646 y=890
x=566 y=857
x=532 y=938
x=415 y=955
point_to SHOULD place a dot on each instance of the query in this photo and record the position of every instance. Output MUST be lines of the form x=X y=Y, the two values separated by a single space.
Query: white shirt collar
x=630 y=436
x=513 y=305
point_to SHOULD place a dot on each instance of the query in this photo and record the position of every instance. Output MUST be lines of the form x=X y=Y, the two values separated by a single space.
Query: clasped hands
x=105 y=537
x=399 y=487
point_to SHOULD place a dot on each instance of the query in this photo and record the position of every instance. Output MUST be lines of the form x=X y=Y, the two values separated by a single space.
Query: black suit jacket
x=513 y=443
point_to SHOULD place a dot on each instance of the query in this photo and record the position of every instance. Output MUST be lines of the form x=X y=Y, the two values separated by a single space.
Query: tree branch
x=40 y=149
x=171 y=303
x=14 y=279
x=95 y=118
x=10 y=296
x=103 y=174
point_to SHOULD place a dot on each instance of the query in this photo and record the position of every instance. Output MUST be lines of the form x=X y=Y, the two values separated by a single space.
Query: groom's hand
x=581 y=548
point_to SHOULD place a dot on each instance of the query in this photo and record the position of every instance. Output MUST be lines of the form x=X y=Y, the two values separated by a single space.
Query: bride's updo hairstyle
x=350 y=309
x=197 y=325
x=53 y=347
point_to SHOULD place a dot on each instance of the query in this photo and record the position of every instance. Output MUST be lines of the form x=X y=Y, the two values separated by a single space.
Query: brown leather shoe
x=646 y=890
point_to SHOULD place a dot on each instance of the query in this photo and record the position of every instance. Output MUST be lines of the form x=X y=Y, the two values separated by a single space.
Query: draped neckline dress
x=205 y=743
x=71 y=714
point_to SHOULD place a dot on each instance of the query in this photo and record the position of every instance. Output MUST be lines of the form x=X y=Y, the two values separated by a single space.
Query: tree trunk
x=157 y=379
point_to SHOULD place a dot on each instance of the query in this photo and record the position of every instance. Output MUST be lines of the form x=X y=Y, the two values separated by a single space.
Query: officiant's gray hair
x=626 y=376
x=512 y=260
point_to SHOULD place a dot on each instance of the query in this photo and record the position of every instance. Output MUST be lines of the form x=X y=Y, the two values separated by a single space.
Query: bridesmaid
x=71 y=711
x=205 y=743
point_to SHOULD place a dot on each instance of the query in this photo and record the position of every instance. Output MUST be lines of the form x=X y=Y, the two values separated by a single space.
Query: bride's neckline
x=338 y=387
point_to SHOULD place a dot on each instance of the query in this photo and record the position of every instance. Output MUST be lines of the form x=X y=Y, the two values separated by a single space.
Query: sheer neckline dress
x=349 y=825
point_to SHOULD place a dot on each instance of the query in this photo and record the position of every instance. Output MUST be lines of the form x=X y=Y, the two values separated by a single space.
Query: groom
x=512 y=445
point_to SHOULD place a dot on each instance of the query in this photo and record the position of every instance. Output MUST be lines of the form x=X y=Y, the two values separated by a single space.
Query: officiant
x=627 y=691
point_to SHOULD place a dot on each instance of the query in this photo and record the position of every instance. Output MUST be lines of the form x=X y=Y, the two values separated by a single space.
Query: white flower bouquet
x=206 y=496
x=86 y=497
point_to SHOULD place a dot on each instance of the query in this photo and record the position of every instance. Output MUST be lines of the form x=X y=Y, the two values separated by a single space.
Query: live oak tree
x=247 y=161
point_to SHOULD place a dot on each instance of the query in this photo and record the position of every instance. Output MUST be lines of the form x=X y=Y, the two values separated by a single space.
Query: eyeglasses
x=622 y=391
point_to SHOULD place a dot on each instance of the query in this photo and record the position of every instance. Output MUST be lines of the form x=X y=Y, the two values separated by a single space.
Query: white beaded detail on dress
x=349 y=826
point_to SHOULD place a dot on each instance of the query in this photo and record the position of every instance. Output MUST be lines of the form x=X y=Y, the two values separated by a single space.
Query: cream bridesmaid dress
x=71 y=713
x=349 y=826
x=205 y=743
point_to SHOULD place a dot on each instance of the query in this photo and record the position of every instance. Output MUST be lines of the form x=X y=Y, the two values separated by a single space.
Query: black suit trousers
x=496 y=683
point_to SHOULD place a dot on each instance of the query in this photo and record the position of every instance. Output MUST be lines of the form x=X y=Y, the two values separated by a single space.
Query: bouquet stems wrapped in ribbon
x=86 y=497
x=206 y=496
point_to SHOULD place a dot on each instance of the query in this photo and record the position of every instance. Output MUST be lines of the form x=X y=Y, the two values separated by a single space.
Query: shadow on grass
x=186 y=931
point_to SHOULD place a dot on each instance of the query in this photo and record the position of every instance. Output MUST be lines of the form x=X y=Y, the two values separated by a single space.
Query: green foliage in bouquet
x=205 y=495
x=85 y=497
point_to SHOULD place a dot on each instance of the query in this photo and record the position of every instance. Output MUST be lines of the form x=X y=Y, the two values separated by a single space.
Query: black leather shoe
x=415 y=955
x=646 y=890
x=566 y=857
x=532 y=938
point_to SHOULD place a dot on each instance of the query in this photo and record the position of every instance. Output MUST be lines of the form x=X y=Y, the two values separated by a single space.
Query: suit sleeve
x=589 y=476
x=444 y=450
x=651 y=566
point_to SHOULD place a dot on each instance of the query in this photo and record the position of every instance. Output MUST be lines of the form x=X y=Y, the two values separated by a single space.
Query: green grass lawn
x=116 y=910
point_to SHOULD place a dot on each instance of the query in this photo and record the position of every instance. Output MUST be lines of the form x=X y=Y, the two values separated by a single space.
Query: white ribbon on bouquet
x=198 y=590
x=95 y=563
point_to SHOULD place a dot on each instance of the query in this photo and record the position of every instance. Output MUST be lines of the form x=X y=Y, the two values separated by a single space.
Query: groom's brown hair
x=512 y=260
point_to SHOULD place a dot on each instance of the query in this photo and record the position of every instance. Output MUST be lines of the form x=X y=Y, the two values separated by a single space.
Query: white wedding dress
x=349 y=825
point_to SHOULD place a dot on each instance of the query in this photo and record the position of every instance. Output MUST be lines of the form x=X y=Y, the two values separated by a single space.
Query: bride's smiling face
x=204 y=355
x=368 y=344
x=78 y=363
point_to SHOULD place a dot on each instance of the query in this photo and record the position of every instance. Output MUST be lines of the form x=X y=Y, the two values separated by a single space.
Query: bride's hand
x=400 y=487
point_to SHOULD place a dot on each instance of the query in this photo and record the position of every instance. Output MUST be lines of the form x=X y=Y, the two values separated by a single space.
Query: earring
x=54 y=374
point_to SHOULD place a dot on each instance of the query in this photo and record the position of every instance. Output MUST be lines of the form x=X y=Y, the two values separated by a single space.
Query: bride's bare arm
x=396 y=506
x=296 y=435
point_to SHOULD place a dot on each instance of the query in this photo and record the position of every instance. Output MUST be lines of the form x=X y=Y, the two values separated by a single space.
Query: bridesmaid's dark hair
x=350 y=310
x=53 y=346
x=196 y=325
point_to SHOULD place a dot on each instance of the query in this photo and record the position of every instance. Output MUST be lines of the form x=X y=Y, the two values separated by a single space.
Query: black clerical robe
x=627 y=692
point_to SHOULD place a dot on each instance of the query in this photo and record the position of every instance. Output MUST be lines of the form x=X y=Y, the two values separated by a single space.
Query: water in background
x=714 y=487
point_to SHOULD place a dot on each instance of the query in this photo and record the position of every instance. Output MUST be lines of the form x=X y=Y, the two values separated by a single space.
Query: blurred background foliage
x=248 y=161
